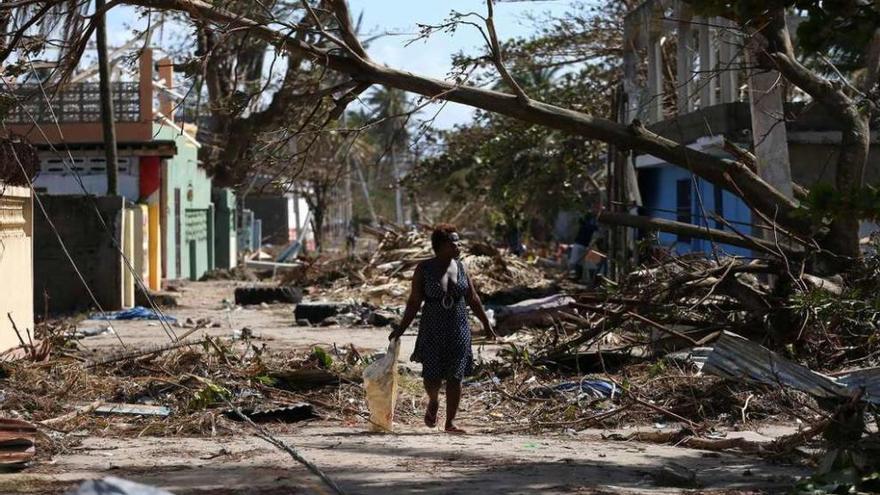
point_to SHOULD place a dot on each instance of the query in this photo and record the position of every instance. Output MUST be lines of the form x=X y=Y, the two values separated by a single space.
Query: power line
x=166 y=327
x=60 y=241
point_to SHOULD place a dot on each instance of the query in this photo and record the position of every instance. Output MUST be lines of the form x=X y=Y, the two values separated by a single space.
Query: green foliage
x=321 y=357
x=825 y=203
x=266 y=380
x=528 y=173
x=657 y=368
x=837 y=29
x=208 y=396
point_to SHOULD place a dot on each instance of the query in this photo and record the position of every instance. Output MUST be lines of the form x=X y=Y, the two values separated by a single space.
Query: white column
x=708 y=63
x=728 y=64
x=768 y=128
x=684 y=73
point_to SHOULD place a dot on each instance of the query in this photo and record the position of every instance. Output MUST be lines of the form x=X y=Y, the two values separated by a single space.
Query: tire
x=246 y=296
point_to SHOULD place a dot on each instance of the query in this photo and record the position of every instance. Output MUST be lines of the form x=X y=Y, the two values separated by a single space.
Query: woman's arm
x=413 y=304
x=473 y=300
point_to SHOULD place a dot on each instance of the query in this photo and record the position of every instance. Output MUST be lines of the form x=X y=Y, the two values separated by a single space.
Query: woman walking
x=443 y=345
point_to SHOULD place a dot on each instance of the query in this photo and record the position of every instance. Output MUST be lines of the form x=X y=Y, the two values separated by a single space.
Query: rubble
x=384 y=277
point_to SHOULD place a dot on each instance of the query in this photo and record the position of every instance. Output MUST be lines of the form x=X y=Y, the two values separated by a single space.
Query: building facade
x=167 y=230
x=16 y=266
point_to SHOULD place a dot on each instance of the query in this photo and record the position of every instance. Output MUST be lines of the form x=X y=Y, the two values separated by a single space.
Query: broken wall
x=93 y=249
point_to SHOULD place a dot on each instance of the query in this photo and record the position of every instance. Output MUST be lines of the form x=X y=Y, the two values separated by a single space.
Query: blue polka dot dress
x=443 y=345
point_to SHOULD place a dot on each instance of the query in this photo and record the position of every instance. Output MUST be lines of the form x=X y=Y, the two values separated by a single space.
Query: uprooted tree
x=326 y=38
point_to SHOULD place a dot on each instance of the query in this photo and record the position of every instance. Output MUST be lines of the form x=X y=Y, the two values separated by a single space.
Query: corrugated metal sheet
x=17 y=442
x=737 y=358
x=868 y=378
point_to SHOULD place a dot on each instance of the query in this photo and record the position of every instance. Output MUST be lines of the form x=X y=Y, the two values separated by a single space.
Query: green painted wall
x=196 y=231
x=224 y=228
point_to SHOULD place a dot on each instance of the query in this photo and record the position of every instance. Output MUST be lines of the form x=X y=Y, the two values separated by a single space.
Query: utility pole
x=107 y=118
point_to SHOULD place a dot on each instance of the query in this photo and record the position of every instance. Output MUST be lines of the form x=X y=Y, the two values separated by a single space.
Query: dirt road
x=413 y=460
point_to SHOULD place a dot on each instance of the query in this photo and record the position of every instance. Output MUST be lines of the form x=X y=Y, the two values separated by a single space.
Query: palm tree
x=390 y=107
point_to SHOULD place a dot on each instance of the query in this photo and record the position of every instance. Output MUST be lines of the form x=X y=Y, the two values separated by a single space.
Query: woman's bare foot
x=454 y=430
x=431 y=414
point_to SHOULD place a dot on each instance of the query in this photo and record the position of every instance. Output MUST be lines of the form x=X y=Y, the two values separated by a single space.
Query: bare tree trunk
x=107 y=118
x=843 y=235
x=366 y=190
x=318 y=226
x=687 y=229
x=398 y=198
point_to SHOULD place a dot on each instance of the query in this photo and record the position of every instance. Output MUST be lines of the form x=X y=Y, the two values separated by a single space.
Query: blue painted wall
x=660 y=190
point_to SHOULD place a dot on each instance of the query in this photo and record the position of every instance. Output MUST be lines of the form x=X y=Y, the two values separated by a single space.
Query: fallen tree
x=339 y=49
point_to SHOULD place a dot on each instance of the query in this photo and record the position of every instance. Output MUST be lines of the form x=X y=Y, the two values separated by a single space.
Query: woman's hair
x=442 y=233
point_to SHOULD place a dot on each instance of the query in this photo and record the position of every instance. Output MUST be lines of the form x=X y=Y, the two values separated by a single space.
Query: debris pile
x=383 y=278
x=189 y=387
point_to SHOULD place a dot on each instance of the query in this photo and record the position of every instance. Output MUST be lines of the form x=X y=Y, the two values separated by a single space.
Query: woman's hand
x=396 y=331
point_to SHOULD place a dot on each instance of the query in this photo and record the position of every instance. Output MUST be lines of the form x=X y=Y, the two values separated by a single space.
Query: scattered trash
x=132 y=409
x=304 y=378
x=135 y=313
x=531 y=312
x=92 y=332
x=737 y=358
x=318 y=311
x=380 y=318
x=290 y=252
x=380 y=383
x=596 y=388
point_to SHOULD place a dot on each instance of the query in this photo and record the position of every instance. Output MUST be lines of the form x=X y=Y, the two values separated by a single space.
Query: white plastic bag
x=380 y=382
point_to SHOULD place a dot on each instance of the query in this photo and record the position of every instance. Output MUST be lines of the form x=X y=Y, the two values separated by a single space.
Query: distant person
x=587 y=228
x=443 y=345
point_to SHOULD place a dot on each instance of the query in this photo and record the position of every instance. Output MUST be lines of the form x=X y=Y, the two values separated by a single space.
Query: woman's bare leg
x=432 y=387
x=453 y=398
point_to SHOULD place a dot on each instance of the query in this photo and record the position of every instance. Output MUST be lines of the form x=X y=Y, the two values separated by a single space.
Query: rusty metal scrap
x=17 y=442
x=736 y=358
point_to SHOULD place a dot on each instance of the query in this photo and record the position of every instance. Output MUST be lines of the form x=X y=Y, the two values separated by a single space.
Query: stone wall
x=92 y=247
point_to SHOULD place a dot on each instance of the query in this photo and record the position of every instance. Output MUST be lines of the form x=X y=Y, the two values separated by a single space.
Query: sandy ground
x=413 y=460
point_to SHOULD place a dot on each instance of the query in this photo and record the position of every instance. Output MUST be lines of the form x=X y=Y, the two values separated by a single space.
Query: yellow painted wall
x=155 y=246
x=141 y=259
x=16 y=264
x=128 y=252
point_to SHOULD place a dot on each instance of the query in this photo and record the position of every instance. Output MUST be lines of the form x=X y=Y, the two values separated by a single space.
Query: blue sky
x=432 y=57
x=400 y=18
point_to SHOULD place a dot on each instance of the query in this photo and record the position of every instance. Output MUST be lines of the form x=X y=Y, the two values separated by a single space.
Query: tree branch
x=497 y=58
x=343 y=17
x=686 y=229
x=724 y=172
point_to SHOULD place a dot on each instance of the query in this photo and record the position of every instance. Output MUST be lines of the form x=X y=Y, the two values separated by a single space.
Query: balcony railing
x=75 y=103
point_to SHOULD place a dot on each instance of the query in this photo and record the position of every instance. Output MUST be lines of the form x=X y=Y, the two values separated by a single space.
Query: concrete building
x=167 y=224
x=687 y=78
x=16 y=265
x=282 y=218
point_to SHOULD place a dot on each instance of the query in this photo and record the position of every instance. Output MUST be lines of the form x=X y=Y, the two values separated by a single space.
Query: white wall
x=56 y=178
x=16 y=264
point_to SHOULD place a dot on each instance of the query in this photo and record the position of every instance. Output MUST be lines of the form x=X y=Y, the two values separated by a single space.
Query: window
x=719 y=207
x=683 y=205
